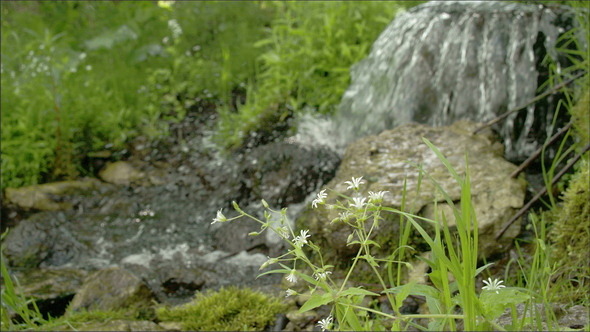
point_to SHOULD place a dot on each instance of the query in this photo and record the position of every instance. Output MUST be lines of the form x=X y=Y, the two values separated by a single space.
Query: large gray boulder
x=387 y=160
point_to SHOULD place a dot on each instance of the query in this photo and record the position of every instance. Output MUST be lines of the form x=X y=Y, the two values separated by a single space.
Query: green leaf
x=494 y=303
x=315 y=301
x=358 y=291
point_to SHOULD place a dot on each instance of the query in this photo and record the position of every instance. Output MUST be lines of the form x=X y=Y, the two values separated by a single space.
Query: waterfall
x=444 y=61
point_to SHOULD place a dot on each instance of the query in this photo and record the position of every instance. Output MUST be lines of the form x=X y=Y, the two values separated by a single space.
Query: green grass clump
x=229 y=309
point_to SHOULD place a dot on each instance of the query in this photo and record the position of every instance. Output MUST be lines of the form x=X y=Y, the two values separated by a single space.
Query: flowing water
x=444 y=61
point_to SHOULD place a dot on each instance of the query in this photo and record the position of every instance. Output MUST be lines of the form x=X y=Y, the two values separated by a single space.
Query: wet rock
x=387 y=160
x=50 y=196
x=120 y=172
x=284 y=173
x=112 y=289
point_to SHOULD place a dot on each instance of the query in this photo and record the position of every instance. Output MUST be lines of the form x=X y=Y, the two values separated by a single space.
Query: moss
x=229 y=309
x=570 y=236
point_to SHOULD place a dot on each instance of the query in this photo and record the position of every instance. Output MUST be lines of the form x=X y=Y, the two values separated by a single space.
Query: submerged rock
x=391 y=159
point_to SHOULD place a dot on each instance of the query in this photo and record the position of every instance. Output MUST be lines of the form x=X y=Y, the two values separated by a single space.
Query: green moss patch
x=229 y=309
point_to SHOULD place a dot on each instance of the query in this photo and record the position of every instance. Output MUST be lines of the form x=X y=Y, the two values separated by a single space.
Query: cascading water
x=445 y=61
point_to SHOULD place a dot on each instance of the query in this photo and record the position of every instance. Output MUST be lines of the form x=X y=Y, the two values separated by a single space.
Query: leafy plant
x=453 y=263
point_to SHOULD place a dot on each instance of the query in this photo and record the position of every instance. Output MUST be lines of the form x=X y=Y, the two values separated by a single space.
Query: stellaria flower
x=321 y=275
x=344 y=216
x=320 y=198
x=355 y=183
x=291 y=292
x=493 y=285
x=219 y=218
x=301 y=239
x=283 y=232
x=325 y=323
x=291 y=277
x=359 y=202
x=376 y=197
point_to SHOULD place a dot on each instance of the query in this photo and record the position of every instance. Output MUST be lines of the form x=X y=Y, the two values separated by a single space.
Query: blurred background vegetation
x=79 y=77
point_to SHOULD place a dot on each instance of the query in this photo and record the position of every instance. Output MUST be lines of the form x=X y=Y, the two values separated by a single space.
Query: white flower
x=291 y=277
x=325 y=323
x=320 y=198
x=344 y=216
x=359 y=203
x=354 y=184
x=376 y=197
x=174 y=28
x=493 y=285
x=301 y=239
x=290 y=292
x=219 y=218
x=283 y=232
x=321 y=275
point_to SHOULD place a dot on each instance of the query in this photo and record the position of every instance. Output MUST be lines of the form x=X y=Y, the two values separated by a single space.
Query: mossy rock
x=229 y=309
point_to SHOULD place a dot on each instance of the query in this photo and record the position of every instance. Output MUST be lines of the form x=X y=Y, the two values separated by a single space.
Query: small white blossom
x=174 y=28
x=219 y=218
x=355 y=183
x=283 y=232
x=359 y=202
x=320 y=198
x=325 y=323
x=291 y=277
x=493 y=285
x=344 y=216
x=290 y=292
x=376 y=197
x=301 y=239
x=321 y=275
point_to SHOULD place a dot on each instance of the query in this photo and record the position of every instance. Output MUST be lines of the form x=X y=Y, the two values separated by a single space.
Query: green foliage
x=310 y=49
x=229 y=309
x=81 y=76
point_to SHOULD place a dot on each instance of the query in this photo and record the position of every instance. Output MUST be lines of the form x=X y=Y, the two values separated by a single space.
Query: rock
x=50 y=283
x=112 y=289
x=387 y=160
x=120 y=172
x=49 y=196
x=112 y=325
x=572 y=318
x=284 y=173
